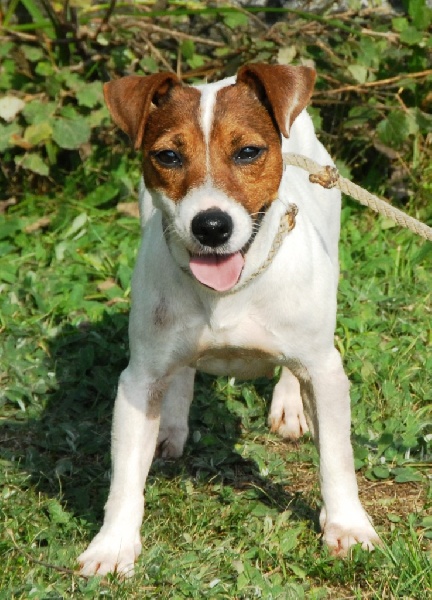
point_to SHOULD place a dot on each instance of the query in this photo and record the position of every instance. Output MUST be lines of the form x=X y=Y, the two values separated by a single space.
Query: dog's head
x=212 y=156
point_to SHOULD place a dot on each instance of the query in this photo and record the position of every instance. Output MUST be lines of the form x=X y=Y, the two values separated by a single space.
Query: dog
x=237 y=274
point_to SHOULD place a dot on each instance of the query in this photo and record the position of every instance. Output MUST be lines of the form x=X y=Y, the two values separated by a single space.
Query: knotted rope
x=329 y=177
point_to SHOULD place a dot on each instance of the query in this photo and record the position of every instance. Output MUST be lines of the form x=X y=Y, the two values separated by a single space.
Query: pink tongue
x=220 y=272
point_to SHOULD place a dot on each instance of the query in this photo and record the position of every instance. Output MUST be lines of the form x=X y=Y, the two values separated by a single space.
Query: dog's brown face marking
x=175 y=126
x=228 y=138
x=239 y=120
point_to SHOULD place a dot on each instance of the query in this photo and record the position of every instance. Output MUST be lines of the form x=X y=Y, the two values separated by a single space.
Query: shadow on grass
x=67 y=450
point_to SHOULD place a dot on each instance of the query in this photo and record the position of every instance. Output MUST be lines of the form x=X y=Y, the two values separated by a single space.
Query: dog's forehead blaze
x=241 y=120
x=175 y=125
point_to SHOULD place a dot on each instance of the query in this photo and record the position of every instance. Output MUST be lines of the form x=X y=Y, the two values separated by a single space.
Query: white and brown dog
x=220 y=285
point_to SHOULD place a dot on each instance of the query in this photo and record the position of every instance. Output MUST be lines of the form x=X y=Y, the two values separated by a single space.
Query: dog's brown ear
x=284 y=88
x=130 y=99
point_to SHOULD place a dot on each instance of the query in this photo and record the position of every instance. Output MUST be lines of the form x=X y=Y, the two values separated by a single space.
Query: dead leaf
x=39 y=224
x=10 y=107
x=115 y=301
x=103 y=286
x=130 y=209
x=4 y=204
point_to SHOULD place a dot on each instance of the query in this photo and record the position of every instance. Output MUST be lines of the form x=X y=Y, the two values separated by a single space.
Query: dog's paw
x=341 y=536
x=171 y=442
x=110 y=553
x=288 y=423
x=286 y=412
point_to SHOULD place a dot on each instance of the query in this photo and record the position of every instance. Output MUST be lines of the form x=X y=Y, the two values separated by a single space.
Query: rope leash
x=329 y=177
x=287 y=223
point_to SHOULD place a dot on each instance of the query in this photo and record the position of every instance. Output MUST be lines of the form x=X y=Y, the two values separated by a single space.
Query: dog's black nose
x=212 y=227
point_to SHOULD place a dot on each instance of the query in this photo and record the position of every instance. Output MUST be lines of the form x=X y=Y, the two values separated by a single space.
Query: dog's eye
x=247 y=155
x=168 y=158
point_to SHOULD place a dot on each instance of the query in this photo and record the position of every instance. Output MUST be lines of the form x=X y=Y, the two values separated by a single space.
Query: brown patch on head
x=159 y=114
x=163 y=118
x=242 y=121
x=175 y=126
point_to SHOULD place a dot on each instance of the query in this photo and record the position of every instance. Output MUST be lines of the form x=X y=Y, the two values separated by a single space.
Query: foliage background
x=236 y=517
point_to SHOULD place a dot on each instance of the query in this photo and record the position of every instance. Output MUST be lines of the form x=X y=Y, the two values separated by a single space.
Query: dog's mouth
x=219 y=272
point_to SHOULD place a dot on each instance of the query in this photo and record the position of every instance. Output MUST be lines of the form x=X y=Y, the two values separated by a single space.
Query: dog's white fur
x=285 y=316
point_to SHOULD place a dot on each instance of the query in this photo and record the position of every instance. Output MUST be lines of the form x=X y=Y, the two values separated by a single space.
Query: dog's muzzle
x=220 y=271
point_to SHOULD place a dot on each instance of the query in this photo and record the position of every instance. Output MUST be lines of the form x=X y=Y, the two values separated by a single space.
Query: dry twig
x=390 y=81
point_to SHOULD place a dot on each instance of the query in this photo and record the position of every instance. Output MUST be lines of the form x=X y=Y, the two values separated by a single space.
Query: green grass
x=236 y=517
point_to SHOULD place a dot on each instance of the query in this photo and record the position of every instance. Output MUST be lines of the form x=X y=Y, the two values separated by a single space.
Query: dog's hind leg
x=286 y=415
x=174 y=428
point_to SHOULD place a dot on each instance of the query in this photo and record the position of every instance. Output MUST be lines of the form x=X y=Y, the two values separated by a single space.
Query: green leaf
x=71 y=133
x=406 y=475
x=381 y=472
x=5 y=48
x=35 y=134
x=400 y=23
x=196 y=61
x=420 y=13
x=102 y=194
x=77 y=224
x=394 y=130
x=422 y=254
x=298 y=571
x=32 y=53
x=149 y=65
x=427 y=522
x=44 y=69
x=289 y=540
x=359 y=72
x=70 y=112
x=97 y=117
x=371 y=51
x=90 y=94
x=38 y=112
x=187 y=49
x=393 y=518
x=411 y=36
x=56 y=512
x=72 y=80
x=235 y=19
x=6 y=133
x=33 y=162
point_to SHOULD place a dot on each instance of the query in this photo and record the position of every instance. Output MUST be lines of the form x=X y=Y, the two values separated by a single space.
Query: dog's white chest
x=240 y=346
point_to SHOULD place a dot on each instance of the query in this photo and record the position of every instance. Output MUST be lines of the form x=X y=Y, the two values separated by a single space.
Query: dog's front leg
x=325 y=392
x=135 y=430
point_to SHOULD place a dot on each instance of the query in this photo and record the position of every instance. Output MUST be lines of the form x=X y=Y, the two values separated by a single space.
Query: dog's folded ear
x=131 y=98
x=284 y=89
